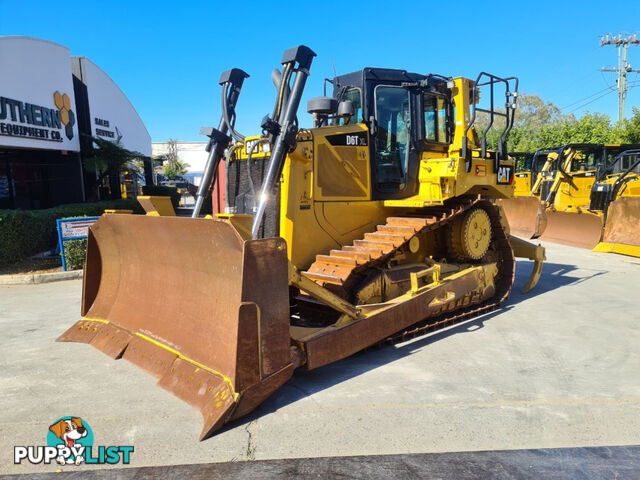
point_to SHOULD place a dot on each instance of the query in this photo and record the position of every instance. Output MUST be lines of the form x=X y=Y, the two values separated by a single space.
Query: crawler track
x=343 y=269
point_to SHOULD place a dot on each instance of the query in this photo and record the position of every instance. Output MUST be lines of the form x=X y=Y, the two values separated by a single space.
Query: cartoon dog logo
x=69 y=431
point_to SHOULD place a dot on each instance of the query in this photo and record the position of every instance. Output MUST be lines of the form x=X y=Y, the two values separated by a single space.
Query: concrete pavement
x=558 y=367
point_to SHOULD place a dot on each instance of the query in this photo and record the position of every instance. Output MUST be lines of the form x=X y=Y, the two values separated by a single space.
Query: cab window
x=355 y=96
x=435 y=118
x=627 y=161
x=392 y=138
x=584 y=161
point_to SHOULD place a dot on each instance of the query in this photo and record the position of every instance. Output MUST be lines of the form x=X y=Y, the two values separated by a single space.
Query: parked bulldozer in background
x=378 y=221
x=558 y=208
x=524 y=210
x=523 y=178
x=615 y=196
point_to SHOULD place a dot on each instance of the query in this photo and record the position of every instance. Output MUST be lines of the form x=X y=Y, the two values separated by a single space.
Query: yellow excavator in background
x=378 y=220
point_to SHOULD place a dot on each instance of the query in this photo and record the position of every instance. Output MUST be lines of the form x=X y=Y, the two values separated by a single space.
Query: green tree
x=173 y=166
x=539 y=124
x=532 y=114
x=629 y=129
x=590 y=128
x=106 y=158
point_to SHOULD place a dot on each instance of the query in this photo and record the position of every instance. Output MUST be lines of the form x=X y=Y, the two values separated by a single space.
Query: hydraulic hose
x=249 y=158
x=238 y=137
x=218 y=138
x=280 y=150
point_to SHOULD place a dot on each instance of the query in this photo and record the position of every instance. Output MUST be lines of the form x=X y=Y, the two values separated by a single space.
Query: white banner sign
x=76 y=228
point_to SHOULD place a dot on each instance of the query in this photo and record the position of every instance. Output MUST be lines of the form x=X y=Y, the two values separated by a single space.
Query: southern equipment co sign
x=23 y=119
x=37 y=109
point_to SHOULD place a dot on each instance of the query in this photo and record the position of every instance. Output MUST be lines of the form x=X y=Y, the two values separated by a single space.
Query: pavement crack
x=252 y=430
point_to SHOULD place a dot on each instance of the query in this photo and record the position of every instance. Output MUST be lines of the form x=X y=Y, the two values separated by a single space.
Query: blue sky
x=168 y=56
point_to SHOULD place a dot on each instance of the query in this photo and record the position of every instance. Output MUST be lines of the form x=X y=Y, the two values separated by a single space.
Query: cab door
x=394 y=151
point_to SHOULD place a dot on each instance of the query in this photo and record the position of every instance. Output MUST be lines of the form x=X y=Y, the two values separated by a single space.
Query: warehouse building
x=49 y=102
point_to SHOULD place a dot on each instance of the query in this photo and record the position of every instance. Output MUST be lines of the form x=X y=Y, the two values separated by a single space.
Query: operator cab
x=405 y=113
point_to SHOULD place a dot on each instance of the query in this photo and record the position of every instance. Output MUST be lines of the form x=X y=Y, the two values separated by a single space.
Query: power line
x=610 y=87
x=630 y=85
x=604 y=80
x=591 y=101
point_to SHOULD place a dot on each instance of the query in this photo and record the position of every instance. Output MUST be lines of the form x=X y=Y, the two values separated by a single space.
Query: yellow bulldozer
x=558 y=207
x=523 y=178
x=378 y=220
x=615 y=198
x=524 y=210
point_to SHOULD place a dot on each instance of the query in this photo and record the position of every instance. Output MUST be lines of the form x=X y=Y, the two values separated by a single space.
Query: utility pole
x=623 y=66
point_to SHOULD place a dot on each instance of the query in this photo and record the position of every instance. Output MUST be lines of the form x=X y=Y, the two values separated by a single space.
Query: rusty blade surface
x=526 y=216
x=82 y=331
x=623 y=222
x=576 y=229
x=191 y=303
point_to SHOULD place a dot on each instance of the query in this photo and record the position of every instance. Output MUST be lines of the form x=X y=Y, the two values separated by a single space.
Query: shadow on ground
x=306 y=383
x=554 y=275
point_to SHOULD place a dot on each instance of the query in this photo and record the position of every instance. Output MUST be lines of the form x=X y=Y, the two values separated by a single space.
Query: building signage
x=102 y=127
x=37 y=97
x=23 y=119
x=73 y=229
x=113 y=117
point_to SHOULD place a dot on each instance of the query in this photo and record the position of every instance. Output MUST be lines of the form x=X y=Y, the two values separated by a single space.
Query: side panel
x=298 y=223
x=342 y=164
x=631 y=187
x=484 y=180
x=570 y=197
x=442 y=178
x=314 y=223
x=363 y=217
x=522 y=184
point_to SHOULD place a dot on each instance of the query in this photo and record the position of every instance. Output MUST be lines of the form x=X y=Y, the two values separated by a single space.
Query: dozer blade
x=622 y=230
x=193 y=304
x=581 y=229
x=526 y=216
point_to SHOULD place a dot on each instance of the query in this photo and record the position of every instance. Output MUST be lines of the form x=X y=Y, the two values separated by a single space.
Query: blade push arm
x=231 y=82
x=283 y=128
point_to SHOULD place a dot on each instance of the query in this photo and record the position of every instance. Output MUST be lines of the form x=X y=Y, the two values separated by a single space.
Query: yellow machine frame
x=312 y=202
